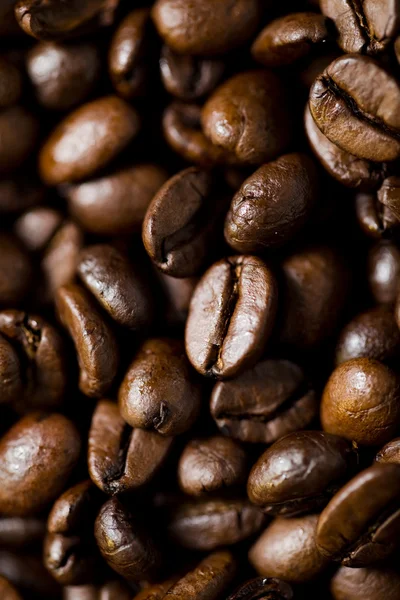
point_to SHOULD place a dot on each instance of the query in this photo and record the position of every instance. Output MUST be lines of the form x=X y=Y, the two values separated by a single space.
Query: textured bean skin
x=287 y=550
x=264 y=403
x=360 y=402
x=361 y=538
x=38 y=454
x=201 y=27
x=373 y=583
x=300 y=472
x=64 y=157
x=236 y=297
x=272 y=204
x=245 y=126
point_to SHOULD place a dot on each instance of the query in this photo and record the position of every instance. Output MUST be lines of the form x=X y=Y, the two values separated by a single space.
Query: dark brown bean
x=384 y=272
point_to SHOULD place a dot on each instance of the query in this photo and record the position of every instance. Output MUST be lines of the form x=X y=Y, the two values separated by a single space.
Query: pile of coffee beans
x=199 y=300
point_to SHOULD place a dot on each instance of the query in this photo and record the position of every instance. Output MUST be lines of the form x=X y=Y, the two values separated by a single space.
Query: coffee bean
x=315 y=286
x=38 y=455
x=209 y=524
x=182 y=130
x=113 y=590
x=63 y=75
x=112 y=280
x=361 y=402
x=359 y=538
x=287 y=550
x=93 y=338
x=46 y=20
x=41 y=356
x=272 y=205
x=375 y=219
x=21 y=532
x=187 y=77
x=7 y=591
x=124 y=545
x=203 y=27
x=349 y=170
x=181 y=222
x=211 y=465
x=263 y=588
x=248 y=116
x=11 y=384
x=264 y=403
x=360 y=120
x=232 y=312
x=69 y=549
x=372 y=583
x=27 y=573
x=364 y=27
x=159 y=391
x=120 y=458
x=371 y=334
x=390 y=452
x=106 y=125
x=37 y=226
x=116 y=203
x=384 y=272
x=289 y=38
x=300 y=472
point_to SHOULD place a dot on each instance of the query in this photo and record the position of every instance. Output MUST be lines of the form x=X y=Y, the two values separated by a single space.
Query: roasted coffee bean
x=124 y=545
x=372 y=583
x=60 y=258
x=287 y=550
x=47 y=20
x=232 y=312
x=87 y=140
x=63 y=75
x=361 y=402
x=360 y=119
x=130 y=54
x=390 y=452
x=8 y=591
x=349 y=170
x=93 y=338
x=249 y=117
x=15 y=271
x=11 y=384
x=188 y=77
x=115 y=204
x=289 y=38
x=38 y=455
x=178 y=293
x=159 y=391
x=17 y=195
x=211 y=465
x=300 y=472
x=113 y=590
x=21 y=532
x=208 y=580
x=119 y=290
x=359 y=538
x=69 y=549
x=203 y=27
x=37 y=226
x=315 y=285
x=384 y=272
x=19 y=131
x=371 y=334
x=42 y=359
x=209 y=524
x=264 y=403
x=272 y=205
x=27 y=573
x=120 y=458
x=11 y=83
x=263 y=588
x=181 y=222
x=375 y=219
x=389 y=197
x=182 y=131
x=364 y=27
